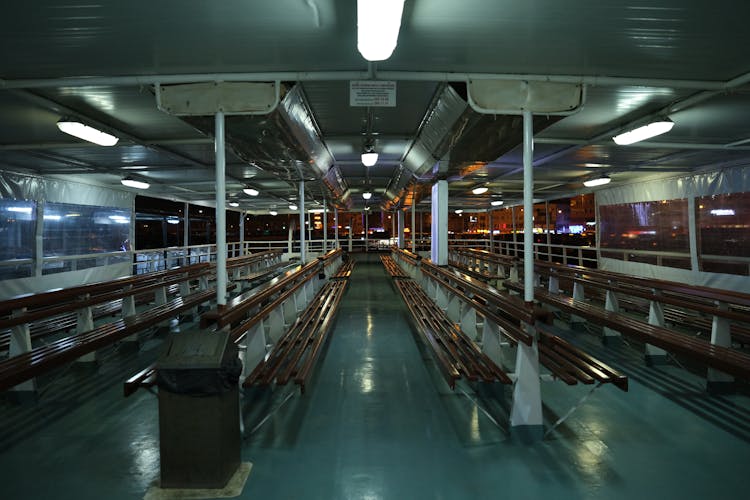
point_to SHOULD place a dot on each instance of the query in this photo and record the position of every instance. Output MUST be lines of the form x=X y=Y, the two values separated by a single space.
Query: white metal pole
x=325 y=226
x=413 y=227
x=242 y=233
x=221 y=213
x=302 y=256
x=336 y=227
x=528 y=207
x=401 y=221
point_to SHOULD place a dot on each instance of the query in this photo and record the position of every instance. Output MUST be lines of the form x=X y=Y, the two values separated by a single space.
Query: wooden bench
x=295 y=354
x=246 y=312
x=456 y=354
x=560 y=357
x=392 y=268
x=727 y=360
x=26 y=366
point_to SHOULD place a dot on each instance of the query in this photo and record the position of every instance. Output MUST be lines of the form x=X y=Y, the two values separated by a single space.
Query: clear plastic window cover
x=17 y=226
x=72 y=229
x=27 y=187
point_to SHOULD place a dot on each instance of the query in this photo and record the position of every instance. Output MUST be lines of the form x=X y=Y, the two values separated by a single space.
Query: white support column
x=489 y=223
x=413 y=226
x=526 y=413
x=401 y=221
x=720 y=382
x=221 y=213
x=351 y=228
x=242 y=233
x=336 y=227
x=302 y=253
x=366 y=216
x=325 y=226
x=290 y=239
x=439 y=243
x=692 y=238
x=655 y=355
x=39 y=239
x=185 y=233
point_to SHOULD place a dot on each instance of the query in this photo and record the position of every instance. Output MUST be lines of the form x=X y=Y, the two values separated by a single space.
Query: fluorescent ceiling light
x=316 y=210
x=51 y=217
x=293 y=207
x=132 y=183
x=378 y=23
x=645 y=132
x=496 y=203
x=22 y=210
x=78 y=129
x=480 y=190
x=273 y=212
x=369 y=159
x=234 y=204
x=597 y=181
x=367 y=195
x=250 y=191
x=459 y=211
x=173 y=220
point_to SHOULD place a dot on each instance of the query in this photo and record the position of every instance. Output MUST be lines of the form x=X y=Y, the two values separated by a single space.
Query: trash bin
x=199 y=425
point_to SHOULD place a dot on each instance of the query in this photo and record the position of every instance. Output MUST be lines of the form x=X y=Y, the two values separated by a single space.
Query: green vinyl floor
x=378 y=422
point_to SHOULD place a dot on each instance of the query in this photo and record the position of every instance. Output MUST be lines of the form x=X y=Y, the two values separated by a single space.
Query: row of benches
x=175 y=292
x=460 y=299
x=722 y=312
x=293 y=313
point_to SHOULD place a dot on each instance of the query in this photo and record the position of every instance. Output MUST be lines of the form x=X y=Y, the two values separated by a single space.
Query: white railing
x=164 y=258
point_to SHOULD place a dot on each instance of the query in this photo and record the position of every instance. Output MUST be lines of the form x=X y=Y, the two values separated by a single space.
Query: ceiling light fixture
x=234 y=204
x=293 y=207
x=273 y=212
x=250 y=191
x=132 y=183
x=480 y=190
x=653 y=129
x=597 y=181
x=369 y=158
x=367 y=195
x=78 y=129
x=459 y=211
x=378 y=24
x=496 y=203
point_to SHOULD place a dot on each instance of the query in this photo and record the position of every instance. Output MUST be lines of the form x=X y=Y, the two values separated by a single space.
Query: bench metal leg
x=20 y=342
x=655 y=355
x=85 y=323
x=255 y=348
x=276 y=324
x=526 y=414
x=577 y=322
x=468 y=321
x=611 y=304
x=492 y=342
x=719 y=382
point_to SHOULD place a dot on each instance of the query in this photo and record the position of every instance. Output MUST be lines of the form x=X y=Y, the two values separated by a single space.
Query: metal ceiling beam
x=296 y=76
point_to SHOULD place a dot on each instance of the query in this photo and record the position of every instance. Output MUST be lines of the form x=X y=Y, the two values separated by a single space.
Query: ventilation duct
x=285 y=142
